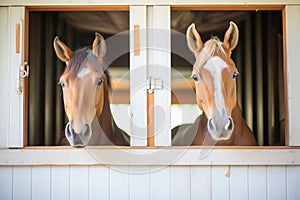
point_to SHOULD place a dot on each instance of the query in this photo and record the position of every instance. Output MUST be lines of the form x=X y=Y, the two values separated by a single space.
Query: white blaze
x=215 y=66
x=83 y=72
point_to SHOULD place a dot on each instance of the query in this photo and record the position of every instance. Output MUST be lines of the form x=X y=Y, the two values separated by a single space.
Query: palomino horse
x=214 y=74
x=85 y=85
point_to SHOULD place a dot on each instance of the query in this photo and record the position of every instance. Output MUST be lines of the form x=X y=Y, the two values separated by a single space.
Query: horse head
x=83 y=84
x=214 y=74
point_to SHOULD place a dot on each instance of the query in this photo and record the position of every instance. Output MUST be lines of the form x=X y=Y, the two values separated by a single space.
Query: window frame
x=17 y=139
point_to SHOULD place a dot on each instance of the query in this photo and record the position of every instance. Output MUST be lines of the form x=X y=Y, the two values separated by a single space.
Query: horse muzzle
x=78 y=139
x=220 y=127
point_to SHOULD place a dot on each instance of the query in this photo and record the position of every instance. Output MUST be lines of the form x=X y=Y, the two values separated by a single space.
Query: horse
x=85 y=85
x=214 y=74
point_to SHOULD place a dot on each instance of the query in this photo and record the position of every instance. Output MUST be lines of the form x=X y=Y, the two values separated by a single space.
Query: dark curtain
x=46 y=114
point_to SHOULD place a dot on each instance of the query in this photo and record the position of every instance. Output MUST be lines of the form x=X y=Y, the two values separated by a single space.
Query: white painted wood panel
x=180 y=182
x=41 y=183
x=79 y=182
x=293 y=177
x=238 y=182
x=6 y=182
x=139 y=182
x=220 y=183
x=60 y=182
x=257 y=182
x=160 y=183
x=162 y=71
x=4 y=81
x=119 y=182
x=293 y=71
x=200 y=182
x=22 y=183
x=138 y=84
x=99 y=182
x=146 y=2
x=16 y=16
x=276 y=182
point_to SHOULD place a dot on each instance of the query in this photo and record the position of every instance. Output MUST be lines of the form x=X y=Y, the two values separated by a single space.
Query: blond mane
x=210 y=48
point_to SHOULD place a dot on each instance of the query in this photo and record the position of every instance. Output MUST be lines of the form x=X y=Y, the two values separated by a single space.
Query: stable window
x=258 y=58
x=146 y=94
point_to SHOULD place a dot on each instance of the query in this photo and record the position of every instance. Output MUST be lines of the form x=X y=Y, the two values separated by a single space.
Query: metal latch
x=154 y=84
x=23 y=72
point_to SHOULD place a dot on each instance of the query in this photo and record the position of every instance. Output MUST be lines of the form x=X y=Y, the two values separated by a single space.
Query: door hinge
x=154 y=84
x=23 y=72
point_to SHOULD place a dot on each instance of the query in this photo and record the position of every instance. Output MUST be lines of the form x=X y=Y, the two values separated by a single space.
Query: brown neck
x=106 y=121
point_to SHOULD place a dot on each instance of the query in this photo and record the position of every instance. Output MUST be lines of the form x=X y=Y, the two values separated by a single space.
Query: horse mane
x=78 y=60
x=209 y=49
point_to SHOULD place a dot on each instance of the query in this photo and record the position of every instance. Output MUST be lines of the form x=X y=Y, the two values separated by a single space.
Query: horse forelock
x=210 y=48
x=79 y=60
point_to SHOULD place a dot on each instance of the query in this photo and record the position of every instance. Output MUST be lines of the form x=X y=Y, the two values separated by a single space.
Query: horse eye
x=99 y=81
x=195 y=77
x=63 y=84
x=235 y=74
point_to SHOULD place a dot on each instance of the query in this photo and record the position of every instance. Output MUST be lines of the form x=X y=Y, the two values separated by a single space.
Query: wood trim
x=78 y=8
x=227 y=8
x=137 y=43
x=164 y=156
x=150 y=119
x=26 y=81
x=18 y=39
x=286 y=107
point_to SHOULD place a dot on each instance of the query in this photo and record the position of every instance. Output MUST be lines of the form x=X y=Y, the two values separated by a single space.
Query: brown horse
x=85 y=85
x=214 y=74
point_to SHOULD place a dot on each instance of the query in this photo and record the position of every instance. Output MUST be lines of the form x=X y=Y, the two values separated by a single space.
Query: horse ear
x=193 y=38
x=99 y=46
x=62 y=51
x=231 y=37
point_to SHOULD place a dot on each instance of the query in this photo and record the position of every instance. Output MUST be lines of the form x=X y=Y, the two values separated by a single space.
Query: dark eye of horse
x=235 y=74
x=99 y=81
x=63 y=84
x=195 y=77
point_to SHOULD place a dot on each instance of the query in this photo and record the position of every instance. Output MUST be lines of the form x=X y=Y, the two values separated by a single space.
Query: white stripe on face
x=83 y=72
x=215 y=66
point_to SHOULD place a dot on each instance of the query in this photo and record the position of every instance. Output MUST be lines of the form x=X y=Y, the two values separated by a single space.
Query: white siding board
x=219 y=183
x=257 y=182
x=180 y=182
x=293 y=178
x=160 y=182
x=22 y=183
x=119 y=182
x=4 y=81
x=138 y=86
x=15 y=139
x=293 y=72
x=60 y=182
x=139 y=182
x=99 y=182
x=238 y=182
x=162 y=71
x=200 y=182
x=79 y=182
x=276 y=182
x=6 y=182
x=41 y=183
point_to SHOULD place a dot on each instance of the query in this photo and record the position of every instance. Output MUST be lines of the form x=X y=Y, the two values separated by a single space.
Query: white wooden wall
x=148 y=182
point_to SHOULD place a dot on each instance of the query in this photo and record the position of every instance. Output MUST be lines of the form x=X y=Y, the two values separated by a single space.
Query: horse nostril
x=211 y=125
x=230 y=125
x=69 y=130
